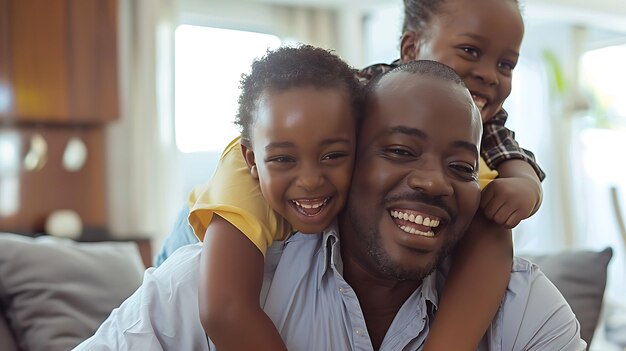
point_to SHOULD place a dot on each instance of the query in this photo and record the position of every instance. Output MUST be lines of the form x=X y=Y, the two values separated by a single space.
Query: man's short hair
x=424 y=68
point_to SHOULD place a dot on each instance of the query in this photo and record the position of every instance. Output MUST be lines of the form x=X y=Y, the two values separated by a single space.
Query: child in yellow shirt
x=298 y=115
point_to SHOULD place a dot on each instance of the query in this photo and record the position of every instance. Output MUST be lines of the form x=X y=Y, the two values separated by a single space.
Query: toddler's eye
x=506 y=66
x=281 y=159
x=334 y=155
x=471 y=51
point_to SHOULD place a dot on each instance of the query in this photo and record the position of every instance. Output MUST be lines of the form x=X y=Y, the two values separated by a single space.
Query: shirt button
x=342 y=290
x=358 y=331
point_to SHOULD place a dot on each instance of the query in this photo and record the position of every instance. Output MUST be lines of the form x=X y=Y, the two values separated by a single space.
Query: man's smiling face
x=414 y=189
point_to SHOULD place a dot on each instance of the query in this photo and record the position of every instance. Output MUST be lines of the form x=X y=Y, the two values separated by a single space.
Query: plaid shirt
x=498 y=142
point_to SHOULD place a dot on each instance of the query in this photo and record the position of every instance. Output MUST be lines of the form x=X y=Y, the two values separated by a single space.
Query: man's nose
x=430 y=180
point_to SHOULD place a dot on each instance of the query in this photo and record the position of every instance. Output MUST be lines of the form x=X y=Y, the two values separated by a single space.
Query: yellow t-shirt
x=485 y=174
x=234 y=195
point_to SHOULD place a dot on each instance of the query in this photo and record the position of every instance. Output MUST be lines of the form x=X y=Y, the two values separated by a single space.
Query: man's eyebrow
x=466 y=145
x=482 y=38
x=409 y=131
x=420 y=134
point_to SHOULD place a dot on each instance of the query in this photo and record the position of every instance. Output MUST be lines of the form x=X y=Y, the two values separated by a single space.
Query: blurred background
x=111 y=111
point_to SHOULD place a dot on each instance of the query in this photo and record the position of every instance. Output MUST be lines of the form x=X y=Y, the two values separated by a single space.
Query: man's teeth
x=312 y=205
x=425 y=221
x=479 y=101
x=412 y=230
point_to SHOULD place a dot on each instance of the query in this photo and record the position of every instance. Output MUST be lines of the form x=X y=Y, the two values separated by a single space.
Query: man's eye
x=397 y=151
x=464 y=170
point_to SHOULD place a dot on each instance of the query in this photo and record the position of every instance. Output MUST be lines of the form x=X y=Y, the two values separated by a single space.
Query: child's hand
x=507 y=201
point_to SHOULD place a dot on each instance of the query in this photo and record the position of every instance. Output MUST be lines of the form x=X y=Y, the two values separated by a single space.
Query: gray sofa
x=55 y=292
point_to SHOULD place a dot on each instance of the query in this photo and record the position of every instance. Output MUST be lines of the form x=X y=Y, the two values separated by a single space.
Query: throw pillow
x=56 y=292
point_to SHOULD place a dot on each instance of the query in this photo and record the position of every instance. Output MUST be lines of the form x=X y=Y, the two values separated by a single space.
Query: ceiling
x=610 y=6
x=602 y=13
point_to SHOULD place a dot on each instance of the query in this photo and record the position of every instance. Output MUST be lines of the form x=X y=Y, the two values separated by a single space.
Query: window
x=601 y=139
x=208 y=67
x=603 y=78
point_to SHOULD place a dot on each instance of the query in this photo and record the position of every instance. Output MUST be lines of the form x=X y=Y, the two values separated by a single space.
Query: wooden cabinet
x=58 y=61
x=28 y=197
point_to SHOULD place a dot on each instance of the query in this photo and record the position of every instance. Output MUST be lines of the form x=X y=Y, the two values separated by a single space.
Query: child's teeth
x=309 y=206
x=480 y=102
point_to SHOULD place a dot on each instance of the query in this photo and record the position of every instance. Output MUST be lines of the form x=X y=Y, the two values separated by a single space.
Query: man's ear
x=409 y=46
x=248 y=155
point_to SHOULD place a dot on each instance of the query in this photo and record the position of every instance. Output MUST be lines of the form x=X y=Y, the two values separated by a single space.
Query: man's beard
x=372 y=239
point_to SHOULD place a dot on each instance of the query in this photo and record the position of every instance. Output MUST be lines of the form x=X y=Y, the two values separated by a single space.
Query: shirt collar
x=332 y=257
x=332 y=252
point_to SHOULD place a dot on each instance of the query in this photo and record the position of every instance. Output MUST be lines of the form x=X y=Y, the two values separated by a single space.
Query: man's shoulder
x=183 y=258
x=162 y=314
x=534 y=314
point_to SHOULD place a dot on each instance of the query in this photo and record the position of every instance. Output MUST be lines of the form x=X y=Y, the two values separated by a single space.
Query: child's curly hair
x=288 y=67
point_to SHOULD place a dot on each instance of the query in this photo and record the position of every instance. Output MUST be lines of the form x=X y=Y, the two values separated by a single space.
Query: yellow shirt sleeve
x=485 y=174
x=234 y=195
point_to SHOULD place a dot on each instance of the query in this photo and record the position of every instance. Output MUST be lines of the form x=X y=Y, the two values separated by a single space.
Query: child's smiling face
x=480 y=40
x=302 y=152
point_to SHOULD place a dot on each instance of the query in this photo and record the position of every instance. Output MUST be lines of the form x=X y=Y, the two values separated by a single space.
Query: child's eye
x=471 y=51
x=506 y=66
x=281 y=159
x=334 y=156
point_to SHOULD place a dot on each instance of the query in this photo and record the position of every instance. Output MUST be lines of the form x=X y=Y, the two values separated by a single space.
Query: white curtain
x=142 y=175
x=313 y=26
x=146 y=174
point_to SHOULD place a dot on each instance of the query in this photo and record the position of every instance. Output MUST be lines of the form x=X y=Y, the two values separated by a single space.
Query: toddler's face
x=480 y=40
x=304 y=142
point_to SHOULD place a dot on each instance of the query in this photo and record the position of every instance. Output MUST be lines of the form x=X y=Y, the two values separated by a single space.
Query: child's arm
x=476 y=283
x=231 y=276
x=514 y=195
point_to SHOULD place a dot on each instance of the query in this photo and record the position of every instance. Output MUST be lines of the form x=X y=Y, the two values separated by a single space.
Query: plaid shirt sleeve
x=499 y=145
x=366 y=74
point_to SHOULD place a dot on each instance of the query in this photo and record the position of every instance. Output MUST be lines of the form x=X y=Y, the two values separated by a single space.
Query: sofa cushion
x=7 y=341
x=56 y=292
x=581 y=277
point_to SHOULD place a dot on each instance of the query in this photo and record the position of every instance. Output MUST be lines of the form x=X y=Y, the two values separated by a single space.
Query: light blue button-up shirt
x=314 y=308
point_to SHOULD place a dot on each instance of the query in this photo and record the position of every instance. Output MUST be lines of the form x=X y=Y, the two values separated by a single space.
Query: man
x=368 y=282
